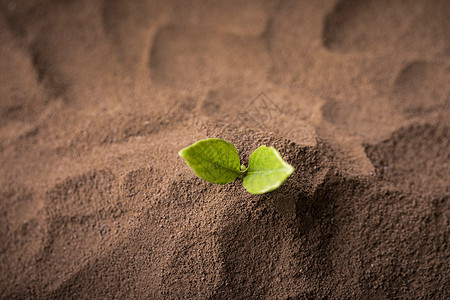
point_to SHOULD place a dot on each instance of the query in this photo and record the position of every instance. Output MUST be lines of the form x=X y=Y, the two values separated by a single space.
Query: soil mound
x=98 y=96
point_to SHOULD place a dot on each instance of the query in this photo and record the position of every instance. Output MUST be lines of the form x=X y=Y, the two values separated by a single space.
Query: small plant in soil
x=217 y=161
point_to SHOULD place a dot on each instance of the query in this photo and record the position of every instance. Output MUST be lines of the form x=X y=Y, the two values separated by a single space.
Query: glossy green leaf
x=266 y=171
x=213 y=160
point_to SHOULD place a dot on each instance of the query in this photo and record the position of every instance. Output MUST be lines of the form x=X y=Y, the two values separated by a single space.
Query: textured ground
x=97 y=97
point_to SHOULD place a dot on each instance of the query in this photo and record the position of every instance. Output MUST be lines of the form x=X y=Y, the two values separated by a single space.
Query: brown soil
x=97 y=98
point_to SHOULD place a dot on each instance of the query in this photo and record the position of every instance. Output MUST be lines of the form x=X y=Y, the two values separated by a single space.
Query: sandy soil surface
x=97 y=97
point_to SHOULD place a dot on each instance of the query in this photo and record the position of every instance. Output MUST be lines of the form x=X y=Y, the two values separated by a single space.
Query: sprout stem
x=243 y=171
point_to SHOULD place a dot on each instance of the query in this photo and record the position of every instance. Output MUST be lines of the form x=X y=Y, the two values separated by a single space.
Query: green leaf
x=213 y=160
x=266 y=171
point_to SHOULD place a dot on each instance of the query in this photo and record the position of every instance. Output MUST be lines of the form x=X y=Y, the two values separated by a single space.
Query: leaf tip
x=291 y=169
x=181 y=153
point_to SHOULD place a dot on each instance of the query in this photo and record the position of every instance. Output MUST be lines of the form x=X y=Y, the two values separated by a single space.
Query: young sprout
x=217 y=161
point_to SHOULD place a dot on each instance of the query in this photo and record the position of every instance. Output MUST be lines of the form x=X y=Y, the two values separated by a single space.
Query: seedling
x=217 y=161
